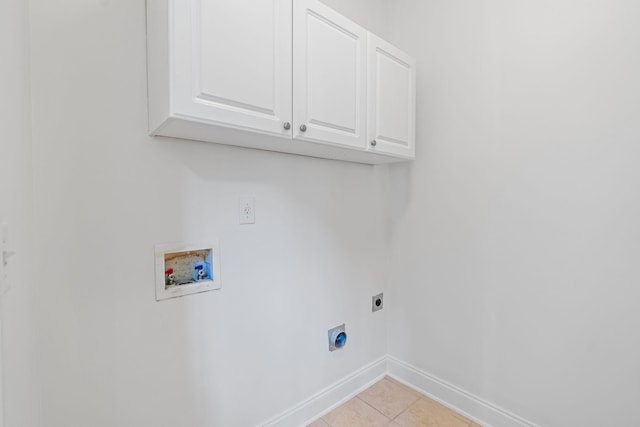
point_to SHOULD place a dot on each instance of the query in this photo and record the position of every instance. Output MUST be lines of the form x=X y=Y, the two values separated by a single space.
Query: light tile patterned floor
x=390 y=403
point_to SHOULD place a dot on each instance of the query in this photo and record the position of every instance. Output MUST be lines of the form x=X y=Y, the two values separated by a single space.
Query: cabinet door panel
x=329 y=76
x=391 y=105
x=233 y=62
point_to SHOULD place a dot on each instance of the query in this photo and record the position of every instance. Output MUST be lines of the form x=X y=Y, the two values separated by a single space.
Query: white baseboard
x=461 y=401
x=331 y=397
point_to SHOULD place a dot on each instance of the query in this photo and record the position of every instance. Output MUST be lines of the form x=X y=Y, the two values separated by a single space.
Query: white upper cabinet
x=282 y=75
x=230 y=62
x=329 y=76
x=391 y=102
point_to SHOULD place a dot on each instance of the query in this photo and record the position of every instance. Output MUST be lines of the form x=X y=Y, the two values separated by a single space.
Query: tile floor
x=390 y=403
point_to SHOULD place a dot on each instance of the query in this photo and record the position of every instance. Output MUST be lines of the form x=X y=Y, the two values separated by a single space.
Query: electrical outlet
x=247 y=210
x=377 y=302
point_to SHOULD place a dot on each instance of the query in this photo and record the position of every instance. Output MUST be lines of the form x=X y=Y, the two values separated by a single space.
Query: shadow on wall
x=399 y=192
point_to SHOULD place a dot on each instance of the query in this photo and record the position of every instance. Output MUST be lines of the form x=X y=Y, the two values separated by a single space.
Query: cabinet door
x=329 y=76
x=231 y=63
x=391 y=100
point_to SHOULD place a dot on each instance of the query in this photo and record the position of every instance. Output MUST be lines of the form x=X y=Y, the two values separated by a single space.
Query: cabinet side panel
x=158 y=62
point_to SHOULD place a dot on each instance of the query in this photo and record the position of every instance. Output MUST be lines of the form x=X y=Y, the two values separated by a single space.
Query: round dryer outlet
x=377 y=302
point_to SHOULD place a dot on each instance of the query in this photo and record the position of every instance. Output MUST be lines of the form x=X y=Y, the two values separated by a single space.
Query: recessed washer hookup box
x=186 y=268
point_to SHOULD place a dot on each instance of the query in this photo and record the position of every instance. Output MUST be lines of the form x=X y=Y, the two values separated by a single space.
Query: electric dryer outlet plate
x=377 y=302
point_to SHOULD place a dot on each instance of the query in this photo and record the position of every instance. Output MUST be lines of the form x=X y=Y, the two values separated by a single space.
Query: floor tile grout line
x=325 y=421
x=407 y=408
x=405 y=387
x=418 y=397
x=371 y=406
x=389 y=418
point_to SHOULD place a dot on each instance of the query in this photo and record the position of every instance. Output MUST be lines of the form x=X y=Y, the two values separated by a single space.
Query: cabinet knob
x=287 y=125
x=303 y=128
x=374 y=143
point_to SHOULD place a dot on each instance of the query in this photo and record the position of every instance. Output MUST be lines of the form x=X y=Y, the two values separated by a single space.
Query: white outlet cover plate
x=247 y=210
x=163 y=292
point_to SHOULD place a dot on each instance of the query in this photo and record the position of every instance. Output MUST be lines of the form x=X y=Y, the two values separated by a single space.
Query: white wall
x=516 y=237
x=17 y=307
x=514 y=234
x=107 y=193
x=370 y=14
